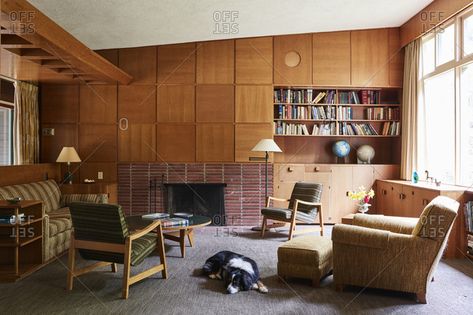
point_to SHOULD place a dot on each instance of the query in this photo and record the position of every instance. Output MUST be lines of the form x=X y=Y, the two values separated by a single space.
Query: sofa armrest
x=400 y=225
x=67 y=199
x=360 y=236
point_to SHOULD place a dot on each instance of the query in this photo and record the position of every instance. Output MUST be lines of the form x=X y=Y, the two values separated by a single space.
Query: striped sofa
x=57 y=222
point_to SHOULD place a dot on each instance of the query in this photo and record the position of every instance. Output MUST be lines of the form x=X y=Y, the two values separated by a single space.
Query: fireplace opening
x=207 y=199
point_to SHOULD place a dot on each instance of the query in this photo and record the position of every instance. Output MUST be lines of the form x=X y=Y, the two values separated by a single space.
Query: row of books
x=469 y=243
x=307 y=96
x=306 y=112
x=359 y=97
x=382 y=113
x=469 y=216
x=283 y=128
x=345 y=113
x=391 y=129
x=12 y=219
x=353 y=129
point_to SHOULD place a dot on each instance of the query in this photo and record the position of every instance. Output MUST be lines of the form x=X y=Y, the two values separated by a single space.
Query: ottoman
x=306 y=257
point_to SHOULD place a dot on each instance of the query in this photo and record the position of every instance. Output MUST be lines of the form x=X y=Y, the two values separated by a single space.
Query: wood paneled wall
x=204 y=102
x=24 y=174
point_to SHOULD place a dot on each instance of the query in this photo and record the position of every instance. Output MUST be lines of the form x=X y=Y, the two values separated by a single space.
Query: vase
x=363 y=207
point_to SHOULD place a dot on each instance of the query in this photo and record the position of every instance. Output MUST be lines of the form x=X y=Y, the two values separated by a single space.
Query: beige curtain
x=410 y=108
x=26 y=123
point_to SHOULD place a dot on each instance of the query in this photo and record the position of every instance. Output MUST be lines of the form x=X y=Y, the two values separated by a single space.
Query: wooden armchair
x=304 y=206
x=101 y=233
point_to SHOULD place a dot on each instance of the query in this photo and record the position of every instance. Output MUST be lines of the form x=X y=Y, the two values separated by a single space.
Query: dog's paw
x=212 y=276
x=263 y=289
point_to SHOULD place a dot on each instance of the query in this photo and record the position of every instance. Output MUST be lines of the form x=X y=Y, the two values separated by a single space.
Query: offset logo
x=430 y=19
x=225 y=22
x=22 y=22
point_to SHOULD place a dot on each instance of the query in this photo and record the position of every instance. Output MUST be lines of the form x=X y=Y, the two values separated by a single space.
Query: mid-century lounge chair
x=304 y=206
x=100 y=233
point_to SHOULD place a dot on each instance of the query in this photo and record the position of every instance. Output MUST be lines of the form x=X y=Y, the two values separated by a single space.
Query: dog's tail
x=208 y=267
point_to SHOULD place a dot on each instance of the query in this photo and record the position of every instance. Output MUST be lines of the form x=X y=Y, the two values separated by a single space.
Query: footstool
x=306 y=257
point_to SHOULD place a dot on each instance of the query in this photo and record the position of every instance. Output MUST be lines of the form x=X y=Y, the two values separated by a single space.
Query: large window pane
x=5 y=136
x=440 y=126
x=468 y=35
x=445 y=44
x=466 y=125
x=428 y=55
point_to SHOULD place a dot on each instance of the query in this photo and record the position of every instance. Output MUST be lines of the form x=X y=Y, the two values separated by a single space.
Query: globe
x=341 y=148
x=365 y=154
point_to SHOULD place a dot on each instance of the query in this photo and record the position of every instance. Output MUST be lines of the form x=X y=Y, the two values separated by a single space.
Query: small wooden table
x=21 y=243
x=176 y=233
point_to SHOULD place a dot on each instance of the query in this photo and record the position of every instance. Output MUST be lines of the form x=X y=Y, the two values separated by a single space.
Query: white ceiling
x=101 y=24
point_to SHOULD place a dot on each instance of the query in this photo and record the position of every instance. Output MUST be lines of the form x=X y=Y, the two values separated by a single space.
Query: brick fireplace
x=244 y=191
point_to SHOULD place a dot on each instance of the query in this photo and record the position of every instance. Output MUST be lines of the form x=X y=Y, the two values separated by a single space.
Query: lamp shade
x=266 y=145
x=68 y=154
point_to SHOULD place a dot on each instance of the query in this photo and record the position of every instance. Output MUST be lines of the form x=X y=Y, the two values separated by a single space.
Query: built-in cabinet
x=405 y=199
x=337 y=181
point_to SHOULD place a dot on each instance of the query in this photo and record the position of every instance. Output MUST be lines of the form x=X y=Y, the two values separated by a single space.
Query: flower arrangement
x=363 y=196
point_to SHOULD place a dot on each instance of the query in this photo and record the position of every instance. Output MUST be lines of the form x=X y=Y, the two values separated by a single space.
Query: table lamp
x=68 y=155
x=266 y=145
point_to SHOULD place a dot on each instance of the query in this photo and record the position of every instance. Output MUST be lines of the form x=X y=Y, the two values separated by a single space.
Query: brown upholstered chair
x=304 y=206
x=393 y=253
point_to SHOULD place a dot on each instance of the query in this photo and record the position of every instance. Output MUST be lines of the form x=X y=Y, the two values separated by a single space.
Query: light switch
x=48 y=131
x=100 y=175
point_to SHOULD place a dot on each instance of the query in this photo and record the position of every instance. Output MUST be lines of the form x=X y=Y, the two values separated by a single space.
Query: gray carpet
x=186 y=292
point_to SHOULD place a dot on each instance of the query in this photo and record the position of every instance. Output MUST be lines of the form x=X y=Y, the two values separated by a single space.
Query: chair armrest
x=144 y=231
x=308 y=203
x=67 y=199
x=359 y=236
x=400 y=225
x=269 y=198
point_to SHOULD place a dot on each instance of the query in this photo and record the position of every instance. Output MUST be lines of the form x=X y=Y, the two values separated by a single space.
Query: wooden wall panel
x=300 y=74
x=254 y=103
x=369 y=58
x=140 y=63
x=396 y=58
x=65 y=135
x=176 y=103
x=24 y=174
x=247 y=136
x=109 y=54
x=98 y=143
x=215 y=143
x=215 y=103
x=216 y=62
x=137 y=143
x=89 y=170
x=98 y=104
x=331 y=58
x=254 y=60
x=137 y=103
x=59 y=103
x=176 y=63
x=176 y=143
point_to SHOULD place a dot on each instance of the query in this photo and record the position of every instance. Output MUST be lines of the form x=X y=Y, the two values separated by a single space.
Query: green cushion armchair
x=393 y=253
x=100 y=233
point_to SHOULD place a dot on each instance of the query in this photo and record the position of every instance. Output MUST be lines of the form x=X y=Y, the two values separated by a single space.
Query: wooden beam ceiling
x=31 y=35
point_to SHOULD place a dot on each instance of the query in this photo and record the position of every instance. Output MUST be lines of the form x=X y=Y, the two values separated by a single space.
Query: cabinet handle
x=402 y=196
x=316 y=169
x=385 y=192
x=425 y=202
x=347 y=193
x=289 y=169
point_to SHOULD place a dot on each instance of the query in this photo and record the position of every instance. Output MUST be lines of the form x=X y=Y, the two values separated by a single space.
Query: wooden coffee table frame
x=179 y=234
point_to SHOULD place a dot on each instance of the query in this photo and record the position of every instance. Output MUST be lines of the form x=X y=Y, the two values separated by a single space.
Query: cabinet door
x=395 y=200
x=422 y=199
x=342 y=183
x=382 y=197
x=408 y=200
x=285 y=176
x=321 y=174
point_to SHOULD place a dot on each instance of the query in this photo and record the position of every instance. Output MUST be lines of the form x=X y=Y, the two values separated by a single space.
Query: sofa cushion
x=306 y=250
x=60 y=213
x=59 y=225
x=46 y=191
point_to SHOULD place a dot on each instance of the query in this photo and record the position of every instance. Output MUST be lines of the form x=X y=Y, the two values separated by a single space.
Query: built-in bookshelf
x=336 y=112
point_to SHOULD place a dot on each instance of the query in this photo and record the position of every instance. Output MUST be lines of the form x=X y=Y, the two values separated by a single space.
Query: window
x=445 y=116
x=7 y=95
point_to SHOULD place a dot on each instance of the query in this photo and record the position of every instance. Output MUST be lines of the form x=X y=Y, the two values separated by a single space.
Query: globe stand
x=342 y=160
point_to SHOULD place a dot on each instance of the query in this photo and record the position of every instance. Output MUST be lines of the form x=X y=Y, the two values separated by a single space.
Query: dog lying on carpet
x=240 y=273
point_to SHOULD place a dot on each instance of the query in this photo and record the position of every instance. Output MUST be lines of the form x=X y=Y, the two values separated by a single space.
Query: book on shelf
x=359 y=97
x=354 y=129
x=383 y=113
x=306 y=112
x=468 y=210
x=284 y=128
x=345 y=113
x=469 y=243
x=304 y=96
x=391 y=128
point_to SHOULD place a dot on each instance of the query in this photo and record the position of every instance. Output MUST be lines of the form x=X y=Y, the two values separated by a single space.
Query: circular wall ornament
x=292 y=59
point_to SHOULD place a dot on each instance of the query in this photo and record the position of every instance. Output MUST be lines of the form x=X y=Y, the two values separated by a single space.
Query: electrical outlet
x=100 y=175
x=48 y=131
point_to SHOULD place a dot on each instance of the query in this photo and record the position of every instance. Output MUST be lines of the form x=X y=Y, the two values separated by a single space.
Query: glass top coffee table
x=177 y=233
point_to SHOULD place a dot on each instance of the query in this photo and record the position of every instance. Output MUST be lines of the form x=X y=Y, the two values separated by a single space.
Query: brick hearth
x=244 y=194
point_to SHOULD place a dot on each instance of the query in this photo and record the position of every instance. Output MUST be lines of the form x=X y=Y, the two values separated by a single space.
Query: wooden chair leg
x=161 y=252
x=292 y=228
x=70 y=264
x=421 y=297
x=126 y=269
x=263 y=226
x=114 y=267
x=182 y=242
x=190 y=236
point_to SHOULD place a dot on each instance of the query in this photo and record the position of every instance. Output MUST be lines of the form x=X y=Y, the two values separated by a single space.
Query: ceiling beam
x=24 y=20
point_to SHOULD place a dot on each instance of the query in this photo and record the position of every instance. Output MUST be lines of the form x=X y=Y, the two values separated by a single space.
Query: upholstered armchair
x=391 y=252
x=100 y=233
x=304 y=206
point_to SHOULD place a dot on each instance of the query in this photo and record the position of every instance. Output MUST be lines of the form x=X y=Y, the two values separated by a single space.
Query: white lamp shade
x=68 y=154
x=266 y=145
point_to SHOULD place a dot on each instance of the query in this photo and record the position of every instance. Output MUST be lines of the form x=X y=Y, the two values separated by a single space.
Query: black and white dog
x=240 y=273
